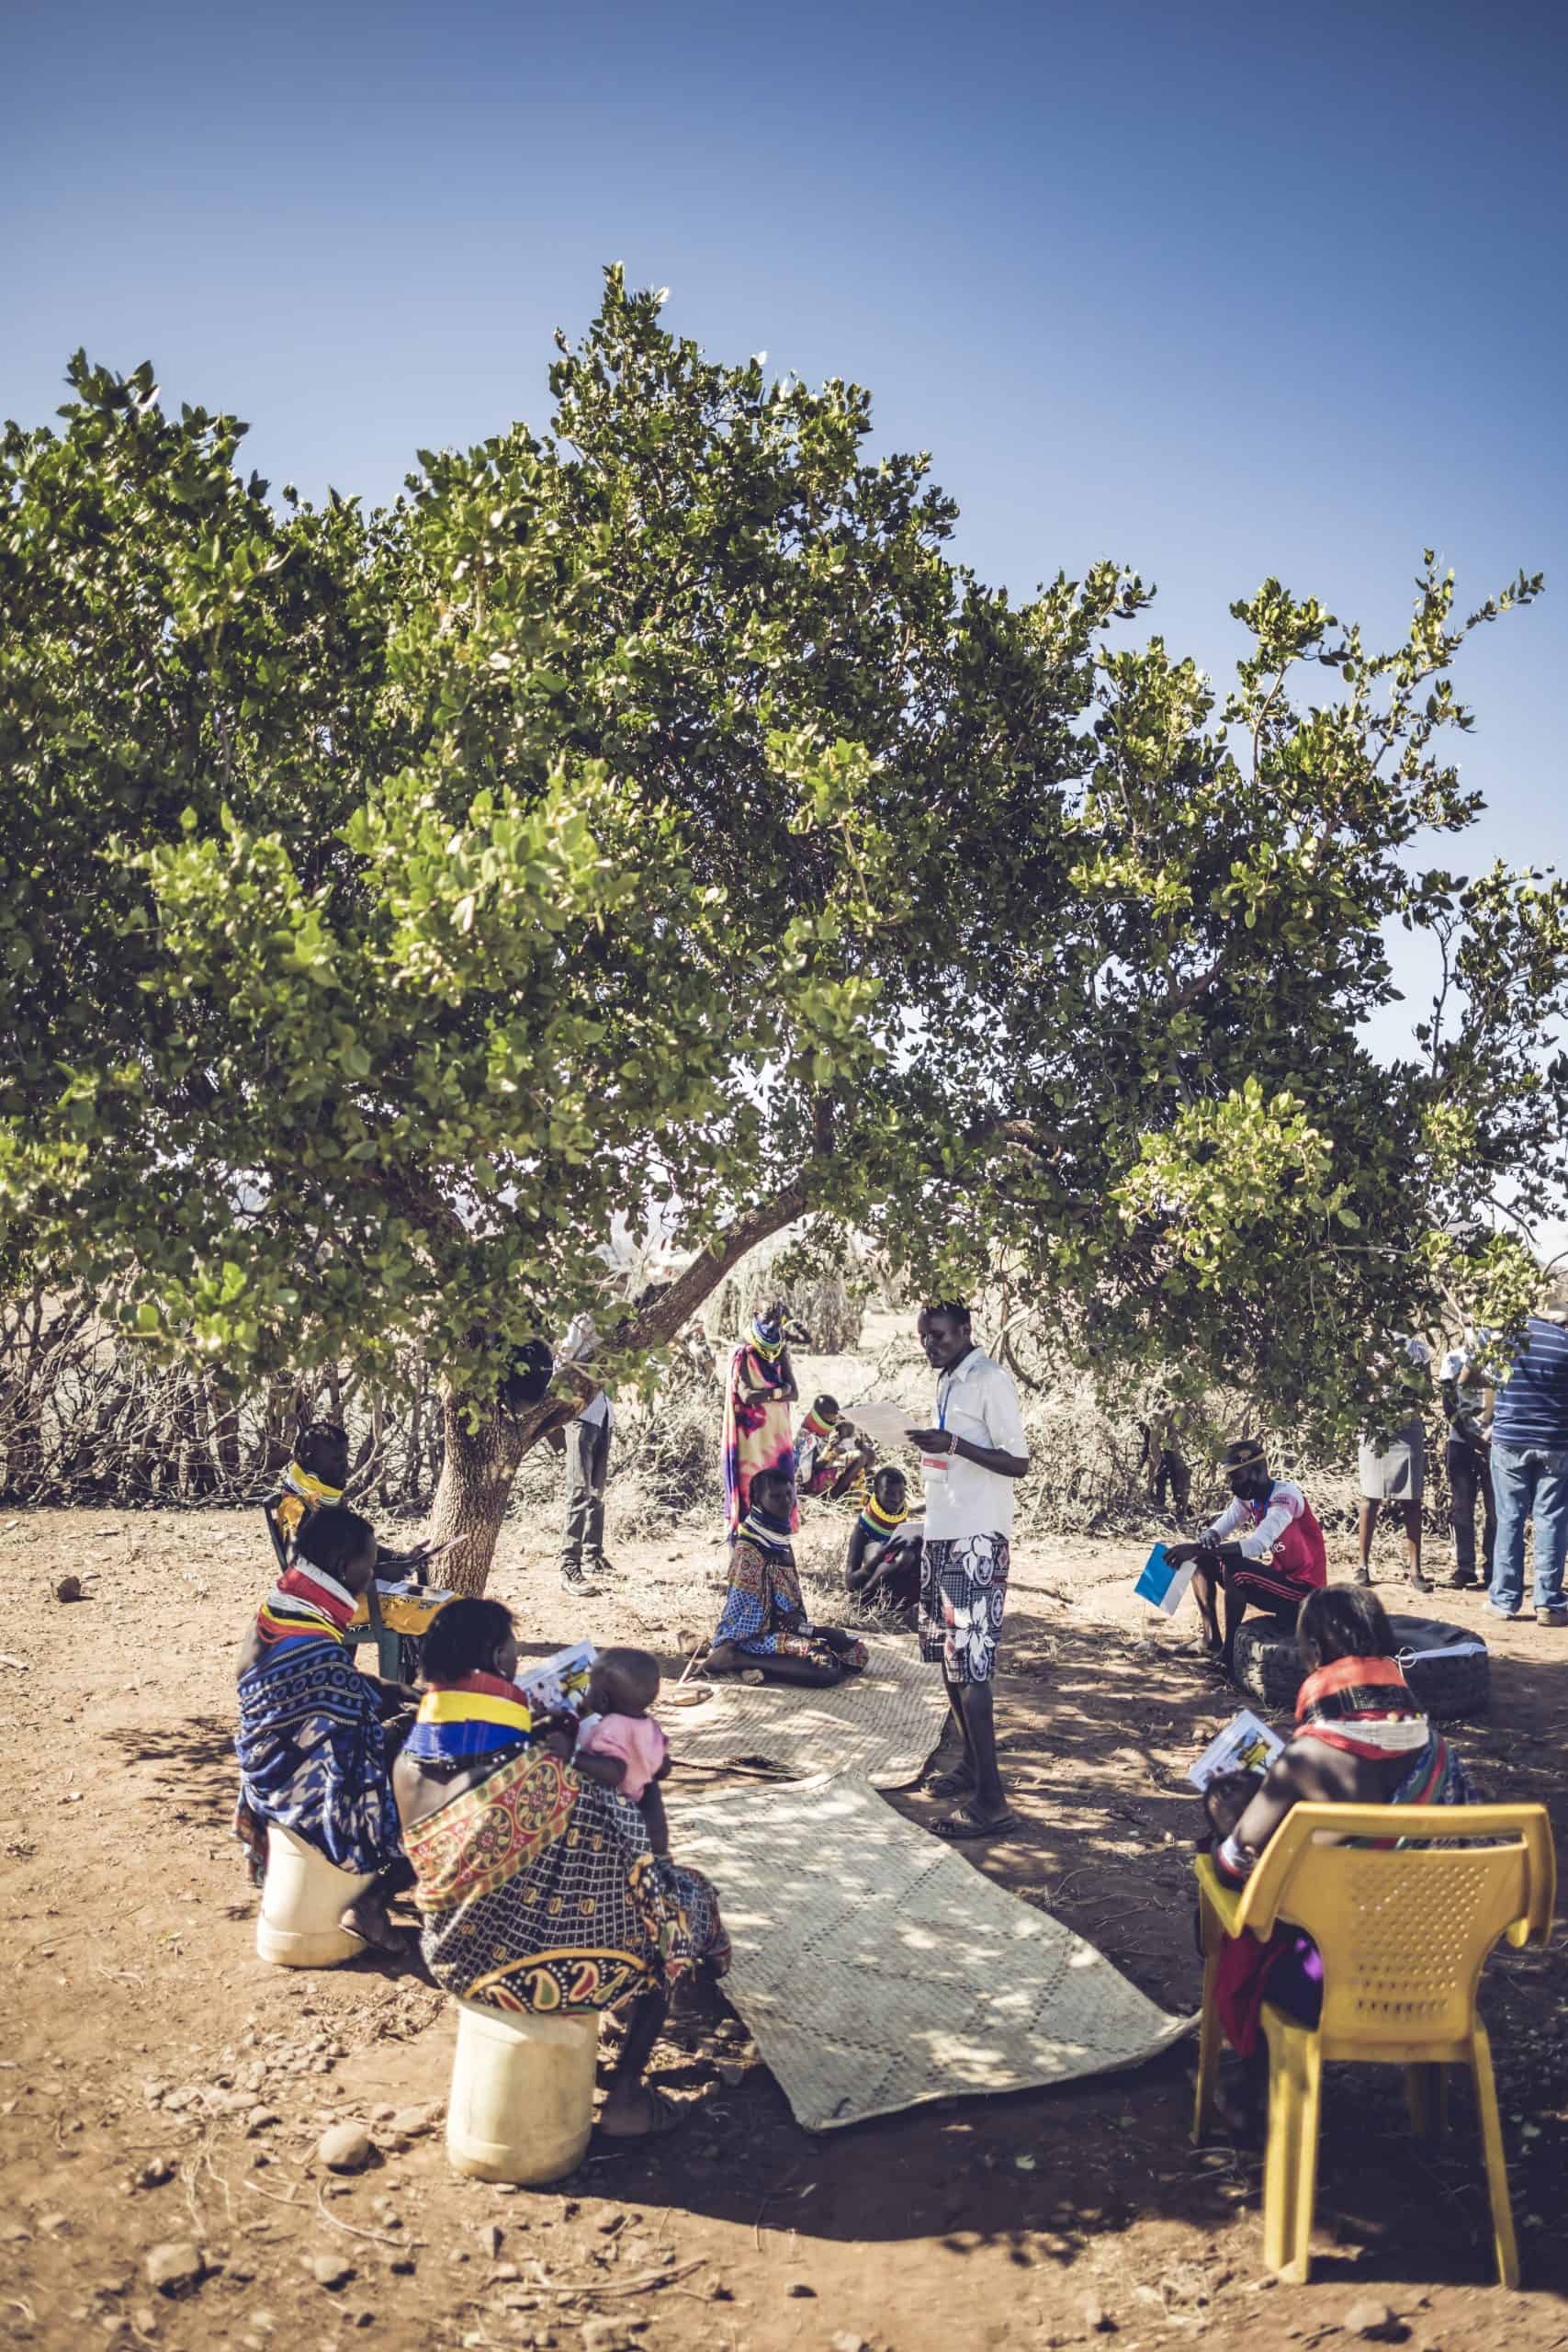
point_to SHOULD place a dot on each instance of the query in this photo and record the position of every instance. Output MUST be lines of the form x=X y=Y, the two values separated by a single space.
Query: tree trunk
x=480 y=1465
x=476 y=1481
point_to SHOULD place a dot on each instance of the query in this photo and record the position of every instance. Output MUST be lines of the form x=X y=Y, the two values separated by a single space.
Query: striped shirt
x=1532 y=1399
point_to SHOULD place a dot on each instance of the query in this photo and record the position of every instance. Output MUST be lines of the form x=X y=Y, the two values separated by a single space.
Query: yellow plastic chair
x=1403 y=1936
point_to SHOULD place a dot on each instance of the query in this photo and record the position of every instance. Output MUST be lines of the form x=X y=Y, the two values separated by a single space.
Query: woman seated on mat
x=539 y=1887
x=764 y=1627
x=1360 y=1739
x=312 y=1745
x=1280 y=1557
x=882 y=1567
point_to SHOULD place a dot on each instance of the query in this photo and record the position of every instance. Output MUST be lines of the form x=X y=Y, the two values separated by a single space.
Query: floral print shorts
x=963 y=1591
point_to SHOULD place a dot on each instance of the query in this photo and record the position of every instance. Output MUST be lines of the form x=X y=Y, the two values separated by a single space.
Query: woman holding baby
x=539 y=1847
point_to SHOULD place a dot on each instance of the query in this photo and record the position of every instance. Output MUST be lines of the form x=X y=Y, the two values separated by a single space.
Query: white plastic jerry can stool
x=522 y=2101
x=303 y=1900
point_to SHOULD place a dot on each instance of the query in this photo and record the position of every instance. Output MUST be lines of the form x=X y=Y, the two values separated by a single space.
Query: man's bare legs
x=1410 y=1513
x=1413 y=1545
x=1365 y=1528
x=976 y=1782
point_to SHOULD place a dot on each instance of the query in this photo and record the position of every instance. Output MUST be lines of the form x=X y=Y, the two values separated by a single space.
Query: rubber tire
x=1267 y=1666
x=1447 y=1687
x=1270 y=1671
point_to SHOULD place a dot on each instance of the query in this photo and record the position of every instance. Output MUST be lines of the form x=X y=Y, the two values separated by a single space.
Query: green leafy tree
x=653 y=815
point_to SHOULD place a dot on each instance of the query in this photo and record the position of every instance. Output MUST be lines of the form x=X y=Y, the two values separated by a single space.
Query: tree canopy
x=653 y=812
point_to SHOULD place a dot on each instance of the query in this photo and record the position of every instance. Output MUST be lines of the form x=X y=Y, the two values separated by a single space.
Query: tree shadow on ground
x=1097 y=1729
x=190 y=1765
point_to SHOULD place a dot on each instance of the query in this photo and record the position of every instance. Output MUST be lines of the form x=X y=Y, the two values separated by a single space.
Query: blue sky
x=1219 y=291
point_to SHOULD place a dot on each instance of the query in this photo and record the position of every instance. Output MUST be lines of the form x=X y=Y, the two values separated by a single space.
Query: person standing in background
x=585 y=1441
x=758 y=1395
x=1468 y=1461
x=973 y=1461
x=1393 y=1471
x=1529 y=1469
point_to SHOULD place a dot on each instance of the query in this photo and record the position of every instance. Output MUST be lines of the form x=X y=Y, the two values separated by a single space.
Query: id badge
x=934 y=1466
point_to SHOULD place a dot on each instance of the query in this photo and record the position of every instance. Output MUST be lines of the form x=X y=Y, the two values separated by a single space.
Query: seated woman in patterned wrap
x=312 y=1745
x=539 y=1887
x=765 y=1626
x=1360 y=1739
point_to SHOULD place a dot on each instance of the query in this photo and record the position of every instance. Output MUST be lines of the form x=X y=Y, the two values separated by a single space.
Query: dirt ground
x=160 y=2084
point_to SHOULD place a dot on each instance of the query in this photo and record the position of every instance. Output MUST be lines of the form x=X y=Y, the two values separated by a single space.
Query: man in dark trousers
x=1469 y=1462
x=586 y=1441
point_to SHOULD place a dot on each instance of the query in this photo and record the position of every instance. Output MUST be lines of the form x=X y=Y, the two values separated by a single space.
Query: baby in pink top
x=618 y=1743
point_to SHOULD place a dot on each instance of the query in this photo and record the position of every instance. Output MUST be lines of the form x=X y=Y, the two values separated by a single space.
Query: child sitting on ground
x=882 y=1567
x=618 y=1743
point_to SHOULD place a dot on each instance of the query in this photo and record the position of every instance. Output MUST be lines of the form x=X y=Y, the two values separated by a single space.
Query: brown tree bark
x=480 y=1465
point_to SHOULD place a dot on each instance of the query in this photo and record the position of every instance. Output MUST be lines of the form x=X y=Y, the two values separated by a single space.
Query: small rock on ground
x=410 y=2122
x=607 y=2336
x=331 y=2270
x=344 y=2148
x=174 y=2266
x=1373 y=2321
x=1097 y=2320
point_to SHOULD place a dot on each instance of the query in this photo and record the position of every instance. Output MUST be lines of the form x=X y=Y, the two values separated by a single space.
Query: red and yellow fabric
x=305 y=1604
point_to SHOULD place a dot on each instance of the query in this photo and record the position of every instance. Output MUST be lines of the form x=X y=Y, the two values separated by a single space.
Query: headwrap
x=305 y=1604
x=302 y=1494
x=767 y=1340
x=879 y=1522
x=474 y=1717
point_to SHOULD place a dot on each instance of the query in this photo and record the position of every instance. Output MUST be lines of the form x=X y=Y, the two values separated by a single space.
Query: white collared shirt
x=977 y=1401
x=575 y=1348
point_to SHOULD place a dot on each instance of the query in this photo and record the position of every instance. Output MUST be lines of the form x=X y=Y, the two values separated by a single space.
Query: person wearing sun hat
x=1277 y=1555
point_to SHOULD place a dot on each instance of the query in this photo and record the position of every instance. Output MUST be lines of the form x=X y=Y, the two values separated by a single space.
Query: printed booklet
x=559 y=1683
x=1245 y=1745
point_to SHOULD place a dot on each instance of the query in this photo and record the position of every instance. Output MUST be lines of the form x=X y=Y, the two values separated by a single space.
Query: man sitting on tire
x=1277 y=1560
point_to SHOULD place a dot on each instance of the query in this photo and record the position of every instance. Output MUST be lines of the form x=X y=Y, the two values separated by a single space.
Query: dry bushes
x=86 y=1416
x=828 y=1303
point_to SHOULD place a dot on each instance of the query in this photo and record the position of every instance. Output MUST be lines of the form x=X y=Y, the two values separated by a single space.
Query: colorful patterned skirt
x=540 y=1892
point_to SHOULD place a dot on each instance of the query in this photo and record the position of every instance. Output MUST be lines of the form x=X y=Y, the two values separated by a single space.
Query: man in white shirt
x=971 y=1461
x=586 y=1443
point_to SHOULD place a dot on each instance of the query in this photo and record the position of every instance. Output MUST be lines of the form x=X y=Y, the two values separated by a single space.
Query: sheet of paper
x=888 y=1424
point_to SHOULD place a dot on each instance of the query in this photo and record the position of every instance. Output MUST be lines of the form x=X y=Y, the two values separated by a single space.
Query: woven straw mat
x=880 y=1725
x=877 y=1970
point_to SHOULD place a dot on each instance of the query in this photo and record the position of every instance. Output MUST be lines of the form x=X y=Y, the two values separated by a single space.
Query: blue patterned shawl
x=311 y=1754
